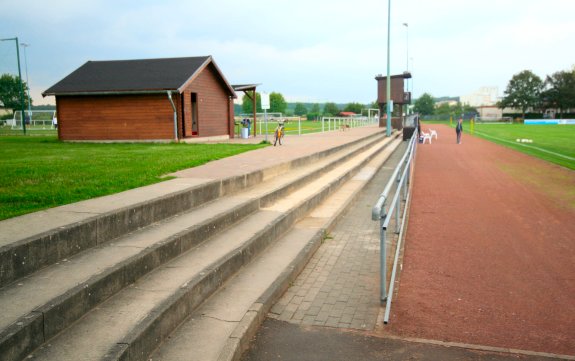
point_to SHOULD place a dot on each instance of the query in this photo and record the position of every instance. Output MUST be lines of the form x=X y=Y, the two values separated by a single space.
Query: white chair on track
x=426 y=136
x=433 y=133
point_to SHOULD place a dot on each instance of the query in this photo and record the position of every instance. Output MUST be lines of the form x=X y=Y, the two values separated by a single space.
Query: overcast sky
x=313 y=50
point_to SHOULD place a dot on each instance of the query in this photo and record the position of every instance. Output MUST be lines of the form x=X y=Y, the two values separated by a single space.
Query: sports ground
x=490 y=249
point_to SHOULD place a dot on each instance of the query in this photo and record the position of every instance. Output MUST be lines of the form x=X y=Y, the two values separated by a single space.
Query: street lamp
x=388 y=89
x=24 y=45
x=406 y=45
x=20 y=76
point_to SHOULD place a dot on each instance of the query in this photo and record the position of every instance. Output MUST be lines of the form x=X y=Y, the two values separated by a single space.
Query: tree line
x=528 y=91
x=312 y=111
x=426 y=105
x=524 y=91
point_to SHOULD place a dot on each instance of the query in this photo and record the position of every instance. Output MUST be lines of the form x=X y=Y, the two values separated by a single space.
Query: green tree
x=10 y=92
x=300 y=109
x=277 y=103
x=353 y=107
x=443 y=109
x=247 y=104
x=424 y=104
x=314 y=112
x=560 y=91
x=523 y=92
x=330 y=109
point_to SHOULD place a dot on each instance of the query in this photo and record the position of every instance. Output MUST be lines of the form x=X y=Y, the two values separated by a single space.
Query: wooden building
x=397 y=95
x=149 y=99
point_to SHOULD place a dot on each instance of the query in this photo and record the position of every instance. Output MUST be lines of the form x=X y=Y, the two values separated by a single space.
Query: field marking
x=527 y=146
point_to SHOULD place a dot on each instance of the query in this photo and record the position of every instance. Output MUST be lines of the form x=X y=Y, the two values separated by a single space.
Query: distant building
x=483 y=96
x=448 y=102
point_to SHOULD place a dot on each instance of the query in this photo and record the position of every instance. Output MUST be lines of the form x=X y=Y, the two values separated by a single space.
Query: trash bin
x=245 y=133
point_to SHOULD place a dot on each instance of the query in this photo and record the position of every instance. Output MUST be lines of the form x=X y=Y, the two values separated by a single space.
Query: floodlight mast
x=21 y=85
x=388 y=92
x=24 y=45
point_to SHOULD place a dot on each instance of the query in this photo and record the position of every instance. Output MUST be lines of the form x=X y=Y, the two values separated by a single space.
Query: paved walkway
x=294 y=146
x=340 y=285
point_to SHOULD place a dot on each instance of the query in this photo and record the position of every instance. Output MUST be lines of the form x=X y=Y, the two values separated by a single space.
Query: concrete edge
x=25 y=334
x=27 y=255
x=63 y=310
x=239 y=340
x=167 y=316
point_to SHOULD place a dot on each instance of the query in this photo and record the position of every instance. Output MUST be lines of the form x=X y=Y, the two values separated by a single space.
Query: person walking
x=459 y=129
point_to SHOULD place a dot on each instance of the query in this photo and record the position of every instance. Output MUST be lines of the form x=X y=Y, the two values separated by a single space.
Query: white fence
x=336 y=123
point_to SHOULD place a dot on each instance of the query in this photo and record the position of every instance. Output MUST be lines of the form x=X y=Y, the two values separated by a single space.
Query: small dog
x=344 y=127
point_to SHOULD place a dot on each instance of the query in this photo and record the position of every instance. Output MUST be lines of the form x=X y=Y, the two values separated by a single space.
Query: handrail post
x=383 y=258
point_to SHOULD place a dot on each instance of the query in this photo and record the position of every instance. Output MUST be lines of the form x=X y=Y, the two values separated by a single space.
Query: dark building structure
x=148 y=99
x=398 y=96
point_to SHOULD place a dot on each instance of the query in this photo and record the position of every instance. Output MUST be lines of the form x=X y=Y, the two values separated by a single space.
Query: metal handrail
x=379 y=213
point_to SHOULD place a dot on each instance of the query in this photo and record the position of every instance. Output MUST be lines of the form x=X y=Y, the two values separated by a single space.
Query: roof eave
x=118 y=92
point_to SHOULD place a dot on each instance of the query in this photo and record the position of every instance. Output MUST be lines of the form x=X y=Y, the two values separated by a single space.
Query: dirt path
x=490 y=249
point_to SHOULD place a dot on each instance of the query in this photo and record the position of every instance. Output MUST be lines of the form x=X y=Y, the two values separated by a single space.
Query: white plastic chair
x=433 y=133
x=426 y=136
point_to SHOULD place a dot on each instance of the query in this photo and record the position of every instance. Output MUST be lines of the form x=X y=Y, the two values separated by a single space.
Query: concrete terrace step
x=41 y=305
x=34 y=241
x=230 y=317
x=131 y=323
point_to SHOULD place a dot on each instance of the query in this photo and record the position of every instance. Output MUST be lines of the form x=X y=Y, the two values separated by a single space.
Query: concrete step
x=41 y=305
x=230 y=317
x=131 y=323
x=31 y=242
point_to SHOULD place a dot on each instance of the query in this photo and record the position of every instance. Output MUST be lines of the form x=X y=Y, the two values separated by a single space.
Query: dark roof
x=405 y=75
x=132 y=76
x=240 y=87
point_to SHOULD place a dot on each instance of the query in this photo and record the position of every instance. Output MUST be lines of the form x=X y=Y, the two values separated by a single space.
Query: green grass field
x=554 y=143
x=41 y=172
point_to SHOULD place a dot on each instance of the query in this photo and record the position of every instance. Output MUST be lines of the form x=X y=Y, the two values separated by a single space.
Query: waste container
x=245 y=133
x=410 y=123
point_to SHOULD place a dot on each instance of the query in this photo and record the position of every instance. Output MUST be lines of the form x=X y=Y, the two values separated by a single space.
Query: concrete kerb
x=155 y=328
x=27 y=255
x=239 y=340
x=59 y=313
x=65 y=309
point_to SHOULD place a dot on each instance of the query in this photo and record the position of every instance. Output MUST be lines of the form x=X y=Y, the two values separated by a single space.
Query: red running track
x=490 y=249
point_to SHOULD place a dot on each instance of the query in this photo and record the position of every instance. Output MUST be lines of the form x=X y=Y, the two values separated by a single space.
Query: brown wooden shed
x=397 y=95
x=148 y=99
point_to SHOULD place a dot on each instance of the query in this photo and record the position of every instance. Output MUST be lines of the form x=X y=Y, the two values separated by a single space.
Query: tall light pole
x=20 y=76
x=24 y=45
x=388 y=89
x=406 y=45
x=407 y=61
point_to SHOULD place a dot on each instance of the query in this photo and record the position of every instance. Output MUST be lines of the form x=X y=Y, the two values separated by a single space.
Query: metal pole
x=21 y=85
x=24 y=45
x=388 y=95
x=266 y=120
x=383 y=258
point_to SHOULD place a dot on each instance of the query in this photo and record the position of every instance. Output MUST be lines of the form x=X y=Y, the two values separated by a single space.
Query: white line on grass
x=527 y=146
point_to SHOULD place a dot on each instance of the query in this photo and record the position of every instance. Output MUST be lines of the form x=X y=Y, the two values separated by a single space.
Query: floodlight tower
x=24 y=45
x=20 y=76
x=388 y=98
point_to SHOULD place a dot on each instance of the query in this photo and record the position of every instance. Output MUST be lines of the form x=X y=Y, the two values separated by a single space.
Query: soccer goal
x=493 y=120
x=35 y=119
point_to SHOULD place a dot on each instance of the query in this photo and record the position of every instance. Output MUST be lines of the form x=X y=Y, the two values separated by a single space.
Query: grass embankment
x=41 y=172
